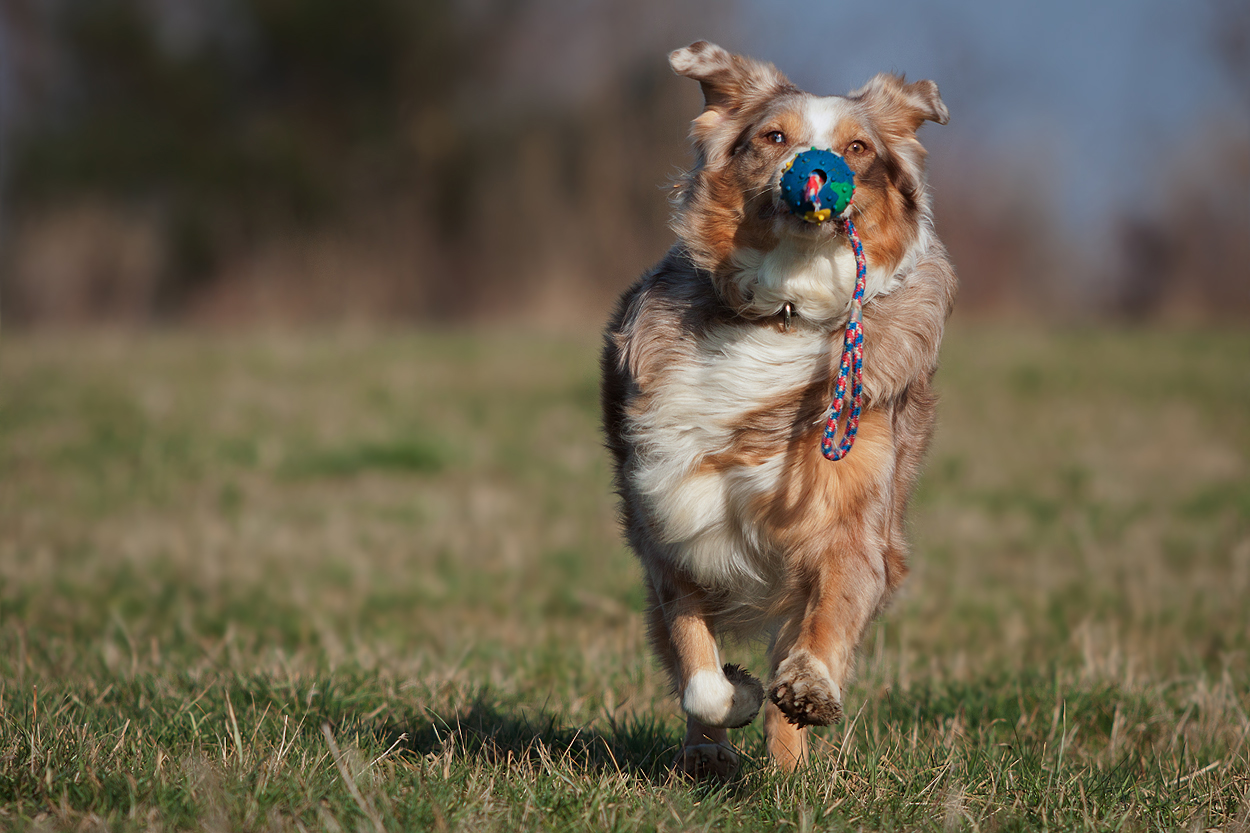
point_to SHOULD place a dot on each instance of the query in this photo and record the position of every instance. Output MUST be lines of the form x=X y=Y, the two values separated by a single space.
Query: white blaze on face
x=821 y=117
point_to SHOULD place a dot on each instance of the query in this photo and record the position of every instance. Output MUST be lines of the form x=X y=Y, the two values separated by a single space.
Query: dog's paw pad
x=707 y=761
x=805 y=694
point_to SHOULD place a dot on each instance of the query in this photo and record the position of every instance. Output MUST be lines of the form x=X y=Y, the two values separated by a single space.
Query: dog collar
x=787 y=317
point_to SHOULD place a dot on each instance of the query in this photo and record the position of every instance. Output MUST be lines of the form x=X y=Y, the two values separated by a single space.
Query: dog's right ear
x=730 y=83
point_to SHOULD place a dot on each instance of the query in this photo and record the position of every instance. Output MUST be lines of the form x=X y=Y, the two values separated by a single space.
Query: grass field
x=374 y=582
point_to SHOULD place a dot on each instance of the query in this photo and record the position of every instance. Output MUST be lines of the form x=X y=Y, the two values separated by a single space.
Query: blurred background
x=299 y=416
x=241 y=162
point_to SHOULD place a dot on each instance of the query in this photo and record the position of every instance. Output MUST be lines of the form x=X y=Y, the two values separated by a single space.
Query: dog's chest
x=687 y=431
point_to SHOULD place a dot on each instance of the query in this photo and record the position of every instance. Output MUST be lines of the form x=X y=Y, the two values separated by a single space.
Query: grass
x=370 y=582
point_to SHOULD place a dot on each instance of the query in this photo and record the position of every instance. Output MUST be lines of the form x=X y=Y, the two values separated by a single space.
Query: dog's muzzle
x=817 y=185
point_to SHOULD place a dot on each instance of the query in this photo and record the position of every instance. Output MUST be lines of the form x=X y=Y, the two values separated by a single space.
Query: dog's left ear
x=730 y=84
x=898 y=109
x=900 y=104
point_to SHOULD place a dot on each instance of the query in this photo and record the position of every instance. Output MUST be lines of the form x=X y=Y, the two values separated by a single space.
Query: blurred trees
x=316 y=160
x=224 y=123
x=1189 y=251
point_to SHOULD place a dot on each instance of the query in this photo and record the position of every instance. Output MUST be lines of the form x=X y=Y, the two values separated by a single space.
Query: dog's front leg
x=813 y=654
x=715 y=697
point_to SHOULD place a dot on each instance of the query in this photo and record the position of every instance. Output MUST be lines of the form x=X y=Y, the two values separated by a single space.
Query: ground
x=374 y=580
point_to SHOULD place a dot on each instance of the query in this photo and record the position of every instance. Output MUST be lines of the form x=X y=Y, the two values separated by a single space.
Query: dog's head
x=755 y=122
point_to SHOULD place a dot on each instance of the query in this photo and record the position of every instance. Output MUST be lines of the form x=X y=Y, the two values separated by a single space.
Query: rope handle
x=852 y=363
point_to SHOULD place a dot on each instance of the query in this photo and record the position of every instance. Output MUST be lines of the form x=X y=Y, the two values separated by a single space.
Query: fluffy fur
x=713 y=410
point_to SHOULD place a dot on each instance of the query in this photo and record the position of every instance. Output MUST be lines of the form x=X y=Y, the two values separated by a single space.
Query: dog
x=717 y=372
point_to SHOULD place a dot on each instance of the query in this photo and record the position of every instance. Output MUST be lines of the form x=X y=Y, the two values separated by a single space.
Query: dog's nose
x=817 y=185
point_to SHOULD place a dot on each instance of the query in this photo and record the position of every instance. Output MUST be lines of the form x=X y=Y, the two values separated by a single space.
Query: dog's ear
x=730 y=84
x=924 y=96
x=902 y=105
x=897 y=109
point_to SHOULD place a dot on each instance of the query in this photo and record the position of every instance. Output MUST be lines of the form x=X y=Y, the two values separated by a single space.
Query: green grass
x=357 y=581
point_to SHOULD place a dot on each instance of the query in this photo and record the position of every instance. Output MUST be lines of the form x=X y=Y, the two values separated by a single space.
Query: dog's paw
x=727 y=699
x=805 y=693
x=707 y=762
x=748 y=696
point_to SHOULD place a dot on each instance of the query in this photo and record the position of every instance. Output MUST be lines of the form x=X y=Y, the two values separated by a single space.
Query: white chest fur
x=693 y=410
x=818 y=280
x=691 y=414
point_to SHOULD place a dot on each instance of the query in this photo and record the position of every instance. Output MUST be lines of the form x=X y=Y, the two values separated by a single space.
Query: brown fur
x=835 y=541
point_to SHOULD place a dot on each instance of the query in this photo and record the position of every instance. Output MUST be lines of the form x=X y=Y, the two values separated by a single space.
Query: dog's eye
x=857 y=147
x=776 y=137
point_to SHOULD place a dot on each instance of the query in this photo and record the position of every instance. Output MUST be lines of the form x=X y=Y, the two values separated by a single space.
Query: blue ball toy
x=817 y=185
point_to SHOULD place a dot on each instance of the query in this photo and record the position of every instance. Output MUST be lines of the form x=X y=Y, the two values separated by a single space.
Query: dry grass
x=374 y=581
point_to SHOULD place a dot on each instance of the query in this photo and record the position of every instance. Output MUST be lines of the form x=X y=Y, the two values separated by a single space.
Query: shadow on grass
x=510 y=736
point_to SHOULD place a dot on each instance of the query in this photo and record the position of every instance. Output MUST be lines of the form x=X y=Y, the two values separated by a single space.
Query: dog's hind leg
x=715 y=697
x=914 y=417
x=785 y=740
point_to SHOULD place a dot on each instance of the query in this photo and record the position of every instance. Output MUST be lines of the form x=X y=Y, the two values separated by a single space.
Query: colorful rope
x=852 y=363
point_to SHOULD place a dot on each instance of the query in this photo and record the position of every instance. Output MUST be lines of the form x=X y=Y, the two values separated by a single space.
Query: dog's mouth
x=787 y=222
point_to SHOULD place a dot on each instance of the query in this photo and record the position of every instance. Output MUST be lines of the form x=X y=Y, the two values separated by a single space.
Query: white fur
x=713 y=700
x=708 y=698
x=818 y=280
x=692 y=414
x=821 y=116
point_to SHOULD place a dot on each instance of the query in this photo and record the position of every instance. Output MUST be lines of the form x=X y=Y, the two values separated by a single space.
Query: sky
x=1102 y=92
x=1095 y=95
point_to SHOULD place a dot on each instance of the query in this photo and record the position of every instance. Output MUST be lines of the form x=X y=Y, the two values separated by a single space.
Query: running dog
x=718 y=369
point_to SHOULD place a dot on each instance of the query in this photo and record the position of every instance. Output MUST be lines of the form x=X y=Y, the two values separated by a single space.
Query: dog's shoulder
x=906 y=326
x=659 y=318
x=653 y=327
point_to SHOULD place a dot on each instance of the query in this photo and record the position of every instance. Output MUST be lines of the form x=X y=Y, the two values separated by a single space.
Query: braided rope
x=852 y=363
